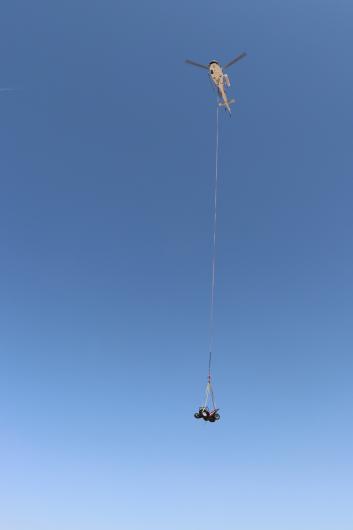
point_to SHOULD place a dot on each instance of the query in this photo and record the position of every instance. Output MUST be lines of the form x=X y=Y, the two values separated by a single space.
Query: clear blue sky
x=107 y=167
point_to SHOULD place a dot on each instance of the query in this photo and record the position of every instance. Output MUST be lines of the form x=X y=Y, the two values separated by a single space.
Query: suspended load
x=204 y=412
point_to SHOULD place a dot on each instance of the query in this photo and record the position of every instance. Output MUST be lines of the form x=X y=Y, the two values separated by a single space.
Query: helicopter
x=219 y=78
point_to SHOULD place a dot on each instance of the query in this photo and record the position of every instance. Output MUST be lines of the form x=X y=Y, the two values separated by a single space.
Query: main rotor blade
x=238 y=57
x=196 y=64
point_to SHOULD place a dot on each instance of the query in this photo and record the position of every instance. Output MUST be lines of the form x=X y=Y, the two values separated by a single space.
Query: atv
x=207 y=415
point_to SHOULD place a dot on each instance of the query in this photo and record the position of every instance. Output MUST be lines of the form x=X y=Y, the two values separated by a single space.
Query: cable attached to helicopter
x=211 y=331
x=204 y=412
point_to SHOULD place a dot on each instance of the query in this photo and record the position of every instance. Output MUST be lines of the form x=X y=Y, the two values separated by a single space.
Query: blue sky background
x=107 y=167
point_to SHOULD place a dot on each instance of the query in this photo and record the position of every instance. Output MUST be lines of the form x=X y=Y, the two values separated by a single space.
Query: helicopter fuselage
x=216 y=72
x=219 y=78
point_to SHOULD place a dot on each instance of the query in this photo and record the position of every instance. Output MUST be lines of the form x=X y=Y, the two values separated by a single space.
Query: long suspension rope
x=211 y=331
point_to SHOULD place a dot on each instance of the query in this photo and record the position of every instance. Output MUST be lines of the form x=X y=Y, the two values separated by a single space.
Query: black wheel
x=197 y=415
x=216 y=416
x=212 y=419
